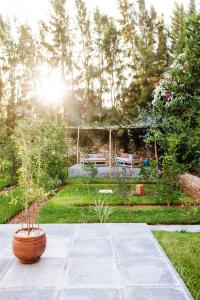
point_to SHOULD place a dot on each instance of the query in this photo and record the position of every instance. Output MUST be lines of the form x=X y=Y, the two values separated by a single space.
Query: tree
x=192 y=7
x=111 y=49
x=162 y=48
x=100 y=24
x=57 y=38
x=177 y=25
x=87 y=72
x=177 y=103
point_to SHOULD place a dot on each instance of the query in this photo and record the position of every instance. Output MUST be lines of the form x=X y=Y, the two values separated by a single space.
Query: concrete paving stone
x=82 y=272
x=130 y=230
x=144 y=247
x=151 y=293
x=4 y=265
x=147 y=271
x=91 y=247
x=57 y=248
x=58 y=230
x=43 y=274
x=7 y=231
x=6 y=248
x=91 y=231
x=90 y=294
x=27 y=294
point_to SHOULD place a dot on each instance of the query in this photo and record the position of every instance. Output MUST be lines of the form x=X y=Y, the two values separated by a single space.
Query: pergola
x=109 y=129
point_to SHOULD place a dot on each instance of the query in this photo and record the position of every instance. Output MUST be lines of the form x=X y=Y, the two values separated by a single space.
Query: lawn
x=184 y=252
x=86 y=194
x=73 y=205
x=7 y=209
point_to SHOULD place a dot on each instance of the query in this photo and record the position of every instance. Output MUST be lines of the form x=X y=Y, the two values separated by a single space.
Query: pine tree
x=128 y=25
x=146 y=49
x=111 y=49
x=100 y=24
x=162 y=48
x=192 y=7
x=87 y=69
x=177 y=26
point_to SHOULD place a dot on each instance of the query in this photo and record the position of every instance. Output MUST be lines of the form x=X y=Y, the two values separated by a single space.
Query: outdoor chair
x=98 y=159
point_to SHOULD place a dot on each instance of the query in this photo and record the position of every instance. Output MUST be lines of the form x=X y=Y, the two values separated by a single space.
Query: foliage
x=167 y=191
x=42 y=148
x=102 y=211
x=7 y=209
x=5 y=181
x=182 y=249
x=176 y=106
x=124 y=186
x=149 y=173
x=92 y=169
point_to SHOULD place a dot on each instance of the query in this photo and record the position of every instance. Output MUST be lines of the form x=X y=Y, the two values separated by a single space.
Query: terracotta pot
x=29 y=249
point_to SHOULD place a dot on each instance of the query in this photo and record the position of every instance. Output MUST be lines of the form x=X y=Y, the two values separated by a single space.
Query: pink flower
x=157 y=84
x=167 y=95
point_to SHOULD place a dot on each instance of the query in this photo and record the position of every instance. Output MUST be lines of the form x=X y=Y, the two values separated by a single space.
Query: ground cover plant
x=183 y=250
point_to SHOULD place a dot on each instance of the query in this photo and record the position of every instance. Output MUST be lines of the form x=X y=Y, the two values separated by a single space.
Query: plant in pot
x=29 y=241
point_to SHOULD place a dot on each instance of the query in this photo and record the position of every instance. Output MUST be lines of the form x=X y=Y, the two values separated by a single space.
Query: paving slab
x=44 y=274
x=92 y=272
x=143 y=271
x=131 y=247
x=91 y=294
x=154 y=293
x=27 y=294
x=92 y=247
x=91 y=262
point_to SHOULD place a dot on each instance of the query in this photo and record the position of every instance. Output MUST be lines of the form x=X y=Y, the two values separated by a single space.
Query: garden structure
x=107 y=159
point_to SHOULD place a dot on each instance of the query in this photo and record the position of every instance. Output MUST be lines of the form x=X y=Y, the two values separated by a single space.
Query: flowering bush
x=164 y=89
x=176 y=102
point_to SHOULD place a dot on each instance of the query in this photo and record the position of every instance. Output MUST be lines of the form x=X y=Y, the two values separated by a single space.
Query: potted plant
x=29 y=241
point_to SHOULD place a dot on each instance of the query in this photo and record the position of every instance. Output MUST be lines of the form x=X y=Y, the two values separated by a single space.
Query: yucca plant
x=102 y=211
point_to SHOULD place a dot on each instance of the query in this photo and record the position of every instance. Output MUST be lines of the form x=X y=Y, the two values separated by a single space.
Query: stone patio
x=91 y=262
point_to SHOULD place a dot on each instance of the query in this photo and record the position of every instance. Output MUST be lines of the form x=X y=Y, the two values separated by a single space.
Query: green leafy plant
x=167 y=191
x=102 y=211
x=92 y=169
x=149 y=173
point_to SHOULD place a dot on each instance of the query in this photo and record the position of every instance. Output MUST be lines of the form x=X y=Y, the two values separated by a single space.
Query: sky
x=31 y=11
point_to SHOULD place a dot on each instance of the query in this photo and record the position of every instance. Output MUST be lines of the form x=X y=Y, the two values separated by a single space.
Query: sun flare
x=52 y=88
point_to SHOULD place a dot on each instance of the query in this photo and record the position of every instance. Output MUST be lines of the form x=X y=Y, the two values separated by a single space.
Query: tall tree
x=177 y=24
x=100 y=23
x=111 y=48
x=192 y=7
x=146 y=48
x=162 y=48
x=87 y=69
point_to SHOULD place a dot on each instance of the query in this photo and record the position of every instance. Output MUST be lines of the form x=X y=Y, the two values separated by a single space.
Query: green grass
x=7 y=209
x=87 y=194
x=183 y=250
x=5 y=181
x=72 y=205
x=54 y=212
